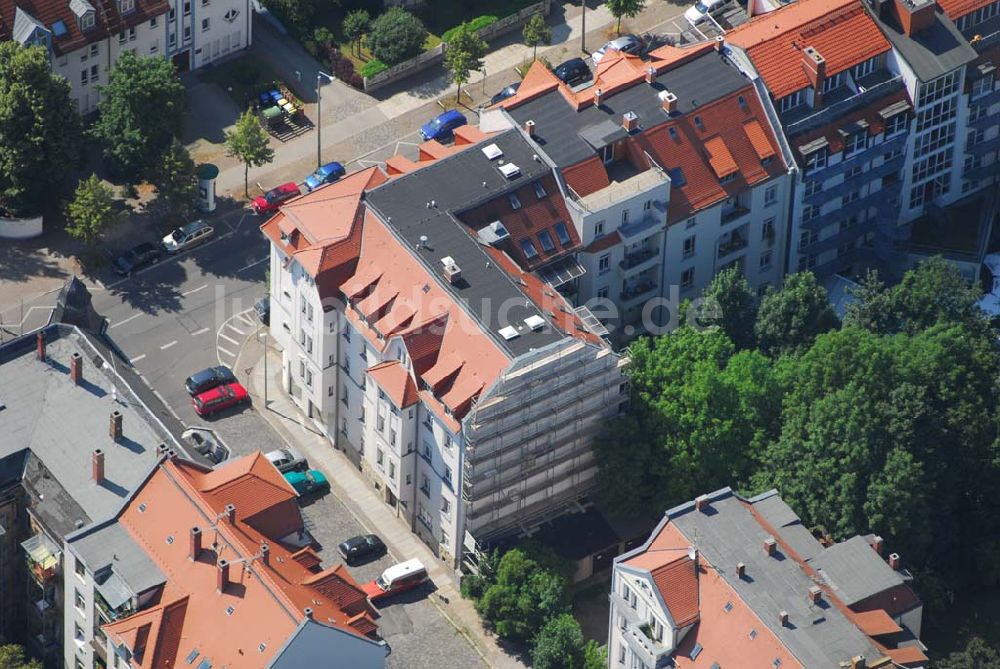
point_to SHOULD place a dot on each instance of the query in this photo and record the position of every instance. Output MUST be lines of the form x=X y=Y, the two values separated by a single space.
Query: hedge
x=475 y=24
x=373 y=67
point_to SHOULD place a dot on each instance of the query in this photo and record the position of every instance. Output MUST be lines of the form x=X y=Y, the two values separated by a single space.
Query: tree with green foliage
x=789 y=319
x=729 y=292
x=700 y=416
x=248 y=142
x=559 y=644
x=355 y=25
x=395 y=36
x=620 y=8
x=463 y=55
x=523 y=598
x=536 y=31
x=977 y=654
x=296 y=15
x=92 y=211
x=176 y=186
x=140 y=113
x=13 y=657
x=39 y=128
x=595 y=656
x=870 y=307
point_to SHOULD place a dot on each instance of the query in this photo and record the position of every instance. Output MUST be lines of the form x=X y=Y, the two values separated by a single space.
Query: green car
x=307 y=482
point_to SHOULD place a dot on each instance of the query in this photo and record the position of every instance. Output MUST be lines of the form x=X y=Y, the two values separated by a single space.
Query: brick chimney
x=265 y=554
x=115 y=428
x=529 y=127
x=76 y=368
x=97 y=466
x=630 y=122
x=668 y=101
x=877 y=544
x=783 y=618
x=815 y=594
x=815 y=67
x=40 y=346
x=701 y=502
x=308 y=611
x=162 y=449
x=770 y=546
x=195 y=547
x=222 y=575
x=741 y=570
x=598 y=96
x=231 y=513
x=858 y=662
x=914 y=15
x=650 y=75
x=894 y=561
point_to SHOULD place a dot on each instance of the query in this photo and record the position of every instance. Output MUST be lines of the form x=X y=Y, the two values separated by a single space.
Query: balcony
x=855 y=182
x=112 y=614
x=734 y=213
x=639 y=289
x=639 y=260
x=816 y=119
x=882 y=199
x=987 y=99
x=839 y=239
x=986 y=120
x=42 y=557
x=732 y=242
x=982 y=171
x=984 y=147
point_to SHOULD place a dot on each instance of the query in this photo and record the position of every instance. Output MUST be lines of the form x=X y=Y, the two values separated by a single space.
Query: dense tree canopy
x=977 y=654
x=92 y=211
x=730 y=295
x=464 y=55
x=39 y=128
x=790 y=319
x=559 y=644
x=396 y=36
x=13 y=657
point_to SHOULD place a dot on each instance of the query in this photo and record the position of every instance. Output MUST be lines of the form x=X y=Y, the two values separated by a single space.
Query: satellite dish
x=692 y=553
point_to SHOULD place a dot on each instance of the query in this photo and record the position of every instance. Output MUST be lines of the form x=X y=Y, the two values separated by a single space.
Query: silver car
x=631 y=44
x=287 y=459
x=187 y=236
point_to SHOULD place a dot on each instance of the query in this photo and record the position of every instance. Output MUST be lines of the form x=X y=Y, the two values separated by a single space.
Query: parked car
x=700 y=9
x=990 y=301
x=631 y=44
x=573 y=71
x=208 y=378
x=360 y=547
x=269 y=202
x=308 y=482
x=324 y=175
x=396 y=579
x=508 y=92
x=262 y=308
x=287 y=459
x=220 y=398
x=137 y=257
x=443 y=125
x=188 y=236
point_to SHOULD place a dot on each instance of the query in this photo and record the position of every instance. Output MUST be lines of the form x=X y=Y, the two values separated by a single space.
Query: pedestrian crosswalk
x=230 y=337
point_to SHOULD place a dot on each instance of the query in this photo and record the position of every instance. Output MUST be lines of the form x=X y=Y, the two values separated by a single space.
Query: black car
x=137 y=257
x=508 y=92
x=263 y=309
x=573 y=71
x=360 y=547
x=208 y=378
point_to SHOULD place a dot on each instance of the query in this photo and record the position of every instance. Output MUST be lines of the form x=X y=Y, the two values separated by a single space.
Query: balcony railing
x=879 y=198
x=637 y=258
x=855 y=182
x=637 y=290
x=982 y=171
x=735 y=242
x=731 y=215
x=987 y=99
x=838 y=109
x=109 y=613
x=984 y=147
x=42 y=556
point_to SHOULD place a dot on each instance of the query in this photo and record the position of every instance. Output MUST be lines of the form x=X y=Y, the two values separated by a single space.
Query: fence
x=434 y=56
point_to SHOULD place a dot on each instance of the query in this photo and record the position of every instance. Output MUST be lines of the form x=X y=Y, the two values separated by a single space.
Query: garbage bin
x=207 y=174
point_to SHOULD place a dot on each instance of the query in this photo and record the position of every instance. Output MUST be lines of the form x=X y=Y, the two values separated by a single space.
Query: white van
x=396 y=579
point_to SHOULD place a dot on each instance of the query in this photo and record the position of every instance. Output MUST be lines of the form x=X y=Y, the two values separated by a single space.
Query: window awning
x=561 y=272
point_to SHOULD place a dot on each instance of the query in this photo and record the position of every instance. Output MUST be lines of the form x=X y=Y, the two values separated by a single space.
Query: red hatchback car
x=219 y=398
x=269 y=202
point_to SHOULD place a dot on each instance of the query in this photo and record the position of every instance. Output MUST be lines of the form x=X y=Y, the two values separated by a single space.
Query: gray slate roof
x=854 y=571
x=109 y=545
x=63 y=424
x=316 y=645
x=726 y=534
x=456 y=183
x=564 y=133
x=933 y=52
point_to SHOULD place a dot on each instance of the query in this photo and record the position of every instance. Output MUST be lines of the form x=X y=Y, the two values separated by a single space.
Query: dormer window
x=790 y=102
x=866 y=68
x=831 y=83
x=126 y=6
x=87 y=21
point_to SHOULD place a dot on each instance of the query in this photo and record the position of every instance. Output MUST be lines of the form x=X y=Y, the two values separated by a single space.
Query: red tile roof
x=908 y=656
x=877 y=623
x=603 y=243
x=677 y=582
x=957 y=8
x=758 y=139
x=719 y=157
x=586 y=177
x=267 y=599
x=839 y=29
x=396 y=382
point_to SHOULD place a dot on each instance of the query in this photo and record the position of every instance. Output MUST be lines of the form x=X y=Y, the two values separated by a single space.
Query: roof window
x=515 y=201
x=673 y=133
x=562 y=233
x=696 y=651
x=192 y=656
x=743 y=103
x=539 y=190
x=528 y=248
x=546 y=241
x=261 y=647
x=205 y=664
x=677 y=177
x=698 y=124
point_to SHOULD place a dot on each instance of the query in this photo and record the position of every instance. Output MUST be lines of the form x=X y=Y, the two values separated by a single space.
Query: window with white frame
x=831 y=83
x=867 y=67
x=425 y=486
x=767 y=230
x=765 y=259
x=791 y=101
x=896 y=124
x=812 y=187
x=809 y=212
x=689 y=246
x=445 y=506
x=937 y=89
x=983 y=86
x=942 y=112
x=933 y=140
x=604 y=263
x=87 y=21
x=855 y=143
x=126 y=6
x=687 y=277
x=770 y=195
x=816 y=160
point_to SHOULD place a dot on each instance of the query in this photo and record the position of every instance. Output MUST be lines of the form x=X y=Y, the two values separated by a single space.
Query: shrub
x=396 y=36
x=474 y=25
x=344 y=70
x=525 y=65
x=373 y=67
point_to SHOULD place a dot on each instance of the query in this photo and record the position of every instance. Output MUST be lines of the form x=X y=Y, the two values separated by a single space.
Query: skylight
x=192 y=656
x=492 y=151
x=546 y=240
x=562 y=233
x=535 y=322
x=508 y=333
x=59 y=28
x=677 y=177
x=529 y=249
x=510 y=170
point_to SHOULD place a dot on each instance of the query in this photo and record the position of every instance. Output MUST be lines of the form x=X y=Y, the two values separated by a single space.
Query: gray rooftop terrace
x=454 y=184
x=932 y=52
x=120 y=566
x=62 y=424
x=854 y=571
x=561 y=131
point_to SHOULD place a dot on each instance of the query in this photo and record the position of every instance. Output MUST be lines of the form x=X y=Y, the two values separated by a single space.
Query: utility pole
x=319 y=117
x=583 y=26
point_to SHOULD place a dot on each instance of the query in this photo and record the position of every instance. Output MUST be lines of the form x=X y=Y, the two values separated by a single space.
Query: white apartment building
x=468 y=391
x=85 y=38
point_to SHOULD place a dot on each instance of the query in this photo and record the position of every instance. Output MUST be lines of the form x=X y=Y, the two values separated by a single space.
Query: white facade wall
x=78 y=623
x=634 y=604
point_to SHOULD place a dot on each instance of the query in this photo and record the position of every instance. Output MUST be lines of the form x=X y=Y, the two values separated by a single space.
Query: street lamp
x=319 y=116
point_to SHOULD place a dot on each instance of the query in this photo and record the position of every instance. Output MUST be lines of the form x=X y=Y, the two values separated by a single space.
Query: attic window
x=170 y=539
x=696 y=651
x=728 y=607
x=261 y=647
x=87 y=21
x=205 y=664
x=142 y=507
x=546 y=241
x=561 y=233
x=673 y=133
x=698 y=124
x=539 y=190
x=743 y=103
x=528 y=248
x=677 y=177
x=515 y=202
x=59 y=29
x=776 y=663
x=192 y=656
x=230 y=610
x=753 y=634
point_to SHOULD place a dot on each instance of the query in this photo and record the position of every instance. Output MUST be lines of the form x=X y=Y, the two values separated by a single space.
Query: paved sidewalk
x=350 y=487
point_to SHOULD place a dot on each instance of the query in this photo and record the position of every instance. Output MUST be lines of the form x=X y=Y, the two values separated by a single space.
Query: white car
x=700 y=9
x=287 y=459
x=630 y=44
x=990 y=302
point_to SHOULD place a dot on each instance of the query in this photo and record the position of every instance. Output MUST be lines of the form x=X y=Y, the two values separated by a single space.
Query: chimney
x=770 y=546
x=40 y=346
x=783 y=618
x=877 y=544
x=76 y=368
x=815 y=66
x=222 y=575
x=162 y=450
x=701 y=502
x=452 y=271
x=815 y=594
x=858 y=662
x=650 y=75
x=741 y=570
x=115 y=428
x=598 y=96
x=231 y=513
x=308 y=611
x=630 y=122
x=668 y=101
x=195 y=547
x=894 y=561
x=915 y=16
x=265 y=554
x=529 y=127
x=97 y=466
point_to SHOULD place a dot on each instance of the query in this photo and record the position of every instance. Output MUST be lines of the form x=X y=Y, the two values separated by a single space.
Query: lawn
x=242 y=78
